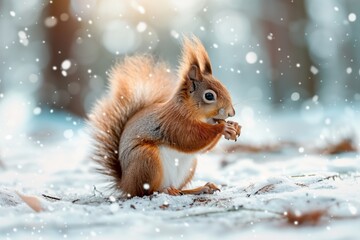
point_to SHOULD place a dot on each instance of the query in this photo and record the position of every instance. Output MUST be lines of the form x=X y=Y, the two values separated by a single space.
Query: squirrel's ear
x=194 y=73
x=208 y=66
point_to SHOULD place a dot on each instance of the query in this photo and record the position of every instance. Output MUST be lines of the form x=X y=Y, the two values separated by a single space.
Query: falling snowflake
x=314 y=70
x=352 y=17
x=69 y=133
x=349 y=70
x=295 y=96
x=141 y=27
x=37 y=111
x=66 y=64
x=251 y=57
x=174 y=34
x=23 y=38
x=50 y=21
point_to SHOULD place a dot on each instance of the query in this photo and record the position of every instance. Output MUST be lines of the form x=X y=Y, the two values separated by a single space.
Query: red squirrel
x=148 y=128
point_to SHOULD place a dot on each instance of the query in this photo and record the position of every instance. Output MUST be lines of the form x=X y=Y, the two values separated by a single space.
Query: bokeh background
x=274 y=56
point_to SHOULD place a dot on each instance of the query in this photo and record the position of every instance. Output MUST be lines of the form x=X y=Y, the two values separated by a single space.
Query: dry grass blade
x=264 y=189
x=51 y=197
x=229 y=210
x=333 y=177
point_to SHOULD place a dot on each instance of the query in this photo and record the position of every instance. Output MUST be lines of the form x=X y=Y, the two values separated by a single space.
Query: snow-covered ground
x=292 y=193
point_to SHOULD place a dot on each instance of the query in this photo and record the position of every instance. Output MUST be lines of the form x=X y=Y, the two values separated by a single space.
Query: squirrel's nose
x=231 y=113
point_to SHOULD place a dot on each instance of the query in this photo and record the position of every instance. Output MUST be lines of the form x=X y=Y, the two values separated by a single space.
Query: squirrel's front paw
x=232 y=130
x=210 y=188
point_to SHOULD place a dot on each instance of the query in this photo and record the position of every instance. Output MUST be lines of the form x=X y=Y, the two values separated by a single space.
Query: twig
x=333 y=177
x=327 y=178
x=97 y=191
x=50 y=197
x=266 y=188
x=233 y=209
x=303 y=175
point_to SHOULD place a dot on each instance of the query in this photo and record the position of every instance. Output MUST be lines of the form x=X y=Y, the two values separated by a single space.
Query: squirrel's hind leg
x=143 y=176
x=208 y=188
x=172 y=191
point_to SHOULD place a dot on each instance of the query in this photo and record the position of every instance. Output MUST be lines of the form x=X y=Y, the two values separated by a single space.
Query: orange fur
x=212 y=145
x=130 y=90
x=145 y=110
x=144 y=169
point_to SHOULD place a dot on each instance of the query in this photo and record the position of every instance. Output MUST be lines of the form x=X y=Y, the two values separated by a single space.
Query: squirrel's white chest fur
x=177 y=166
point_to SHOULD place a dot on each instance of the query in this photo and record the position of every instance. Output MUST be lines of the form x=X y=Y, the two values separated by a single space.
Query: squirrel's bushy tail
x=135 y=83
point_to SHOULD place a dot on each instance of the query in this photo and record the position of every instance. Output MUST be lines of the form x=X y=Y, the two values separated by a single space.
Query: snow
x=349 y=70
x=174 y=34
x=141 y=27
x=352 y=17
x=37 y=111
x=295 y=96
x=258 y=190
x=270 y=36
x=50 y=21
x=66 y=64
x=23 y=38
x=251 y=57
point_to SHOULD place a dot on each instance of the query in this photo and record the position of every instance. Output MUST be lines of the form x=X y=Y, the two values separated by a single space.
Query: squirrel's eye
x=209 y=96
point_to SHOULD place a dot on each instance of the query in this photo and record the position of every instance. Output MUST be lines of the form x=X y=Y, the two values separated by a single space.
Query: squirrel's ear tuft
x=189 y=69
x=195 y=60
x=203 y=56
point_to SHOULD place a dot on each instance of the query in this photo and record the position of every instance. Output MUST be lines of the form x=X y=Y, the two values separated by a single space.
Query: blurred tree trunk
x=288 y=52
x=62 y=89
x=352 y=52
